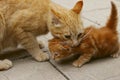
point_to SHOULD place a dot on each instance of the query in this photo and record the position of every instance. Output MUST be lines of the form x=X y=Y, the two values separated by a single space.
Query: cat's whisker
x=84 y=36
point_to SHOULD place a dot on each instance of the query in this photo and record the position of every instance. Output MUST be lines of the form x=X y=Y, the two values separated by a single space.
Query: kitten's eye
x=56 y=54
x=68 y=49
x=67 y=36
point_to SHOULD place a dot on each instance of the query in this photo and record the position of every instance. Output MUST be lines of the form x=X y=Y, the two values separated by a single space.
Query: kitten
x=96 y=43
x=22 y=20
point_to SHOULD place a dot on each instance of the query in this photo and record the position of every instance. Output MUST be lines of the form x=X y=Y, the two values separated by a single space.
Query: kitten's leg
x=82 y=60
x=116 y=55
x=5 y=64
x=29 y=42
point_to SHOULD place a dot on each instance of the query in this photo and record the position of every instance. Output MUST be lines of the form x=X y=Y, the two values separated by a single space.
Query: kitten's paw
x=77 y=63
x=5 y=64
x=115 y=55
x=42 y=57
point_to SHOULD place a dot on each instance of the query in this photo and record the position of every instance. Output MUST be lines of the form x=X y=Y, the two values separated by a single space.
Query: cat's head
x=59 y=49
x=67 y=24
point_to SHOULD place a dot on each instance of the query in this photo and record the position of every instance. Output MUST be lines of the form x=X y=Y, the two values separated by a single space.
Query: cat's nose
x=75 y=43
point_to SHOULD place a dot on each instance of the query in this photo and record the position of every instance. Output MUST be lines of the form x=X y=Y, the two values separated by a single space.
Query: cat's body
x=22 y=20
x=97 y=43
x=21 y=14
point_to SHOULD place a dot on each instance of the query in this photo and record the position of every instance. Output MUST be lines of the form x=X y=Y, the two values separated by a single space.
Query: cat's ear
x=78 y=7
x=55 y=18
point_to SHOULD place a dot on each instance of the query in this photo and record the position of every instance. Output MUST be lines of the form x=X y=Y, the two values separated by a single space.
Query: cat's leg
x=29 y=42
x=41 y=45
x=84 y=58
x=5 y=64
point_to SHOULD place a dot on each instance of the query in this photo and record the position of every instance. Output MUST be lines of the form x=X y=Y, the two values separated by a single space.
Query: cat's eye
x=68 y=36
x=79 y=35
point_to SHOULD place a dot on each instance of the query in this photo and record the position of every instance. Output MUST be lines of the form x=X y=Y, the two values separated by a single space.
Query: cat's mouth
x=76 y=43
x=84 y=36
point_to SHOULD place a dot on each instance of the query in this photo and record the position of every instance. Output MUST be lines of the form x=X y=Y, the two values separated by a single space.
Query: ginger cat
x=96 y=43
x=22 y=20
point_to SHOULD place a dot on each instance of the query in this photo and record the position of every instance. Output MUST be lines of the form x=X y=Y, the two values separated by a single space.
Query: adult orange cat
x=96 y=43
x=22 y=20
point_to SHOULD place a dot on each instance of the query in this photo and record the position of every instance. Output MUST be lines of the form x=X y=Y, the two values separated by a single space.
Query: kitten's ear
x=78 y=7
x=55 y=18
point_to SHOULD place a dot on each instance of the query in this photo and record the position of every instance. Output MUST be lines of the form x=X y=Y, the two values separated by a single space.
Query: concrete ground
x=95 y=12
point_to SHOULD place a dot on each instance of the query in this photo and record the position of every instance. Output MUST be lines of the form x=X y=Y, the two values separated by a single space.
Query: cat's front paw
x=5 y=64
x=77 y=63
x=42 y=56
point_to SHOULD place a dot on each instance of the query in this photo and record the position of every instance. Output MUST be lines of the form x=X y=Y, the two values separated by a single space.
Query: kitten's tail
x=2 y=26
x=113 y=19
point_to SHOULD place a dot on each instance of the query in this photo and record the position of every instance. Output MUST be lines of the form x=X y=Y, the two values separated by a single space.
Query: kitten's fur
x=22 y=20
x=97 y=43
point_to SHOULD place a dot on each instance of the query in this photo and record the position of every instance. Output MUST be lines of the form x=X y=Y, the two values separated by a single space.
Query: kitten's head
x=66 y=24
x=59 y=49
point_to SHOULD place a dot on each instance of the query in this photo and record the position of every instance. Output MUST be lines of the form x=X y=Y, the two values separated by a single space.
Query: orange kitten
x=96 y=43
x=21 y=21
